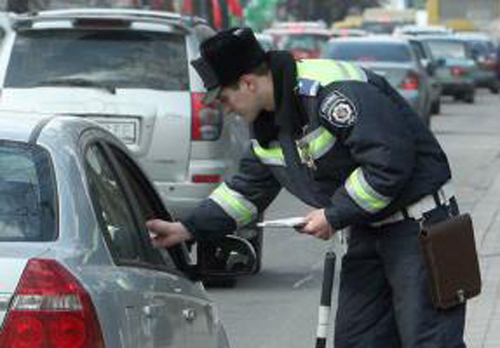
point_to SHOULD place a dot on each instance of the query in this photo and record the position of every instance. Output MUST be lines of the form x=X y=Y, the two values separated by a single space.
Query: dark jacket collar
x=286 y=115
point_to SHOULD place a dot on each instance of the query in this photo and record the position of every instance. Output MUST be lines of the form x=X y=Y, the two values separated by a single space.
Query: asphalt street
x=278 y=307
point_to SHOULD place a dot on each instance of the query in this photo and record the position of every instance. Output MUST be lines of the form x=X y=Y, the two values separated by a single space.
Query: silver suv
x=129 y=71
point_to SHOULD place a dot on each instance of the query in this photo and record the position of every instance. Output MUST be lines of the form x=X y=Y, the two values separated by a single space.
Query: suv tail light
x=207 y=119
x=50 y=309
x=410 y=83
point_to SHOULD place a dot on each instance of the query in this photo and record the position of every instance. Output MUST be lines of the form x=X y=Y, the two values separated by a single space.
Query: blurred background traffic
x=125 y=65
x=424 y=48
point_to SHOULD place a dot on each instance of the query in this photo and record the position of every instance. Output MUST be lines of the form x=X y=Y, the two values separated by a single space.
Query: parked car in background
x=78 y=266
x=392 y=58
x=483 y=50
x=266 y=41
x=457 y=74
x=417 y=30
x=129 y=71
x=347 y=32
x=431 y=65
x=302 y=39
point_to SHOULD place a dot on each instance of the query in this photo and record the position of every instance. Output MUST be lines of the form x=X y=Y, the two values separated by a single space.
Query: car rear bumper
x=485 y=79
x=413 y=98
x=452 y=88
x=181 y=198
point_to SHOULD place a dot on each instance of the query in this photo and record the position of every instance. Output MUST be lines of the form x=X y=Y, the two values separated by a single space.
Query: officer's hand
x=167 y=234
x=317 y=225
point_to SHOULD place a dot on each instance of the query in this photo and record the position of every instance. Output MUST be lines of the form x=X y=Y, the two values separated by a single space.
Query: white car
x=77 y=267
x=129 y=71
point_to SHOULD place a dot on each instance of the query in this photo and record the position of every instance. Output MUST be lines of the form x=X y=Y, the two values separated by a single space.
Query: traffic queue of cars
x=101 y=128
x=422 y=63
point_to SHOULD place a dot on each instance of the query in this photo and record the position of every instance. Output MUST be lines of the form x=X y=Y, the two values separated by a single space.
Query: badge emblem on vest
x=338 y=110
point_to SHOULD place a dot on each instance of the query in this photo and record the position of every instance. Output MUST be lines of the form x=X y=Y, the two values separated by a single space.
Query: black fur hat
x=225 y=57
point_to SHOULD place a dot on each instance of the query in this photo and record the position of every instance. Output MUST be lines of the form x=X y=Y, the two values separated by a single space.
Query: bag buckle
x=461 y=296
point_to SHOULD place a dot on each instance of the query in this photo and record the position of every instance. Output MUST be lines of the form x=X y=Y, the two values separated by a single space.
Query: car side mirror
x=230 y=256
x=431 y=67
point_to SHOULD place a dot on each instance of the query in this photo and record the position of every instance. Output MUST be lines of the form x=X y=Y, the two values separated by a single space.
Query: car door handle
x=189 y=314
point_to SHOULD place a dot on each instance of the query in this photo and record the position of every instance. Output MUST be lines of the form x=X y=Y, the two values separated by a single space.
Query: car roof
x=297 y=31
x=137 y=15
x=474 y=36
x=440 y=37
x=372 y=39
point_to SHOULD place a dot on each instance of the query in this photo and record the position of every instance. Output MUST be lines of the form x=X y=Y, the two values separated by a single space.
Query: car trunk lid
x=395 y=73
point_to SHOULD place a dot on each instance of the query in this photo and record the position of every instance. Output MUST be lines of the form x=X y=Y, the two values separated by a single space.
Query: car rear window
x=27 y=199
x=447 y=49
x=93 y=58
x=369 y=51
x=304 y=42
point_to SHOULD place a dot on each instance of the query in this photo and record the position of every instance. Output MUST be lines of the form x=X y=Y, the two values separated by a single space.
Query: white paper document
x=288 y=222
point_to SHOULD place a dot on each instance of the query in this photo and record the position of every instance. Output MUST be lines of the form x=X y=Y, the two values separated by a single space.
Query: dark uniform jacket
x=341 y=138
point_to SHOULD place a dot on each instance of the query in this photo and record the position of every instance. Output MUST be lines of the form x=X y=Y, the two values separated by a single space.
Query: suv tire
x=436 y=107
x=257 y=242
x=469 y=96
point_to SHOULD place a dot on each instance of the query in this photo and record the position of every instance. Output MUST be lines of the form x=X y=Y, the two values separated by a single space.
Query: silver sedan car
x=392 y=58
x=77 y=265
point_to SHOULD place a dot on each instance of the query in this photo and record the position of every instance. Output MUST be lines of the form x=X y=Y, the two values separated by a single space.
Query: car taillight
x=410 y=83
x=50 y=309
x=206 y=178
x=207 y=119
x=490 y=63
x=457 y=71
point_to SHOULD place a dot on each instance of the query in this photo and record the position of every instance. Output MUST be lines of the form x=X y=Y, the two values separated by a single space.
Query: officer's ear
x=249 y=81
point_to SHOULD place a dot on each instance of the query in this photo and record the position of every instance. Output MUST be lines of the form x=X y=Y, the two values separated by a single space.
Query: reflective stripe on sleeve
x=319 y=141
x=234 y=204
x=363 y=194
x=272 y=155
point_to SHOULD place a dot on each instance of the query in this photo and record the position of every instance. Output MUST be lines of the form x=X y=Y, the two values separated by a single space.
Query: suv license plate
x=125 y=130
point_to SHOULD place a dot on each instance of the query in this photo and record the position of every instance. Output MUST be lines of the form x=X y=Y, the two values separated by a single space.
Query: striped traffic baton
x=326 y=300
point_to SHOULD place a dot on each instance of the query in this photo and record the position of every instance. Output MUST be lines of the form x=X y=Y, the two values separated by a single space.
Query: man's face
x=241 y=100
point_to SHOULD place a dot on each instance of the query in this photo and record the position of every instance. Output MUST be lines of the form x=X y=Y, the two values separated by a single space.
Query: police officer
x=342 y=140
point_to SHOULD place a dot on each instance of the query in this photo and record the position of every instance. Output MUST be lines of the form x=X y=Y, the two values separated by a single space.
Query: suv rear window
x=304 y=42
x=27 y=199
x=99 y=58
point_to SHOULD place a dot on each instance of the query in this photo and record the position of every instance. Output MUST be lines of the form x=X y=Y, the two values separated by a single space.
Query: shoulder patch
x=338 y=110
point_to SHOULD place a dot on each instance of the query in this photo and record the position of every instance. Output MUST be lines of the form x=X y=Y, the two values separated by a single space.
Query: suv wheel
x=495 y=87
x=206 y=255
x=436 y=107
x=469 y=97
x=257 y=242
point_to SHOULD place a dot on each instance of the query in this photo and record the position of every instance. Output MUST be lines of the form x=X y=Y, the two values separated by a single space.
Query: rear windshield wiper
x=78 y=82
